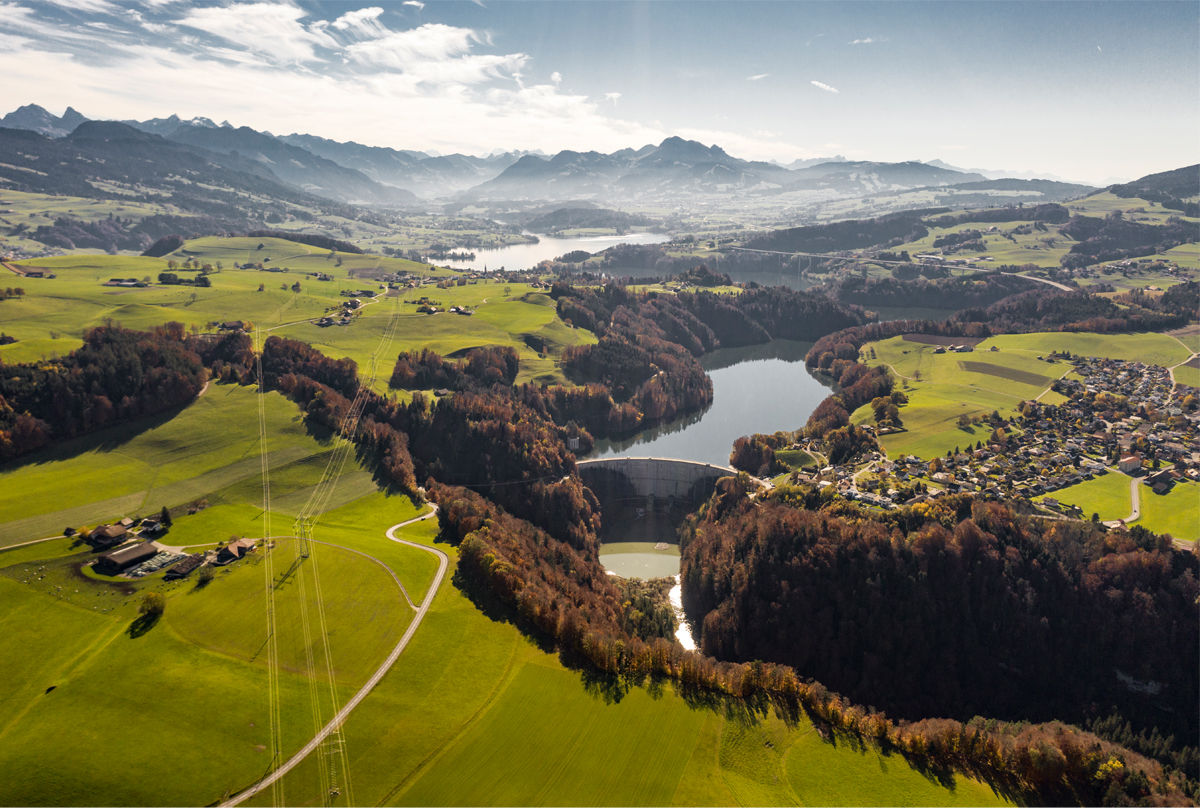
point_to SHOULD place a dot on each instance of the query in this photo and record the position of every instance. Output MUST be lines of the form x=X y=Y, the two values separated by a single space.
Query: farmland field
x=199 y=672
x=1107 y=495
x=1174 y=512
x=53 y=315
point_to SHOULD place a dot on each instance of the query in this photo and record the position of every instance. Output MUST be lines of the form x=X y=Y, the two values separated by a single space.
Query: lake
x=759 y=388
x=525 y=256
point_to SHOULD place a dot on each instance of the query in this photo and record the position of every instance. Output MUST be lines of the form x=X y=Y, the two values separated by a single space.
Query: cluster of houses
x=941 y=349
x=128 y=283
x=136 y=554
x=1056 y=446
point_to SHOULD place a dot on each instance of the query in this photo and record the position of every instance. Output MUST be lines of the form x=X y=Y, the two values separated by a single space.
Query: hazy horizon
x=1085 y=91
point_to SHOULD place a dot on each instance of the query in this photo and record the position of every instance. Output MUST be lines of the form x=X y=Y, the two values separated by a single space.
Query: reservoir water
x=760 y=388
x=525 y=256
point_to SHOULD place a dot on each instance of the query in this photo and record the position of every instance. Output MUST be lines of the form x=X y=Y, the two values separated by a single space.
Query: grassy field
x=1188 y=375
x=210 y=448
x=197 y=674
x=1158 y=349
x=1176 y=512
x=943 y=387
x=1107 y=495
x=1134 y=208
x=476 y=713
x=1041 y=248
x=53 y=315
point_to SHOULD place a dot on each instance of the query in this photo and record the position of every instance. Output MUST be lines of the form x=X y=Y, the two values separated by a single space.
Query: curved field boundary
x=376 y=677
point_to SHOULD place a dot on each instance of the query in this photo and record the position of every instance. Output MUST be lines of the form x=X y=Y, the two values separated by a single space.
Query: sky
x=1086 y=91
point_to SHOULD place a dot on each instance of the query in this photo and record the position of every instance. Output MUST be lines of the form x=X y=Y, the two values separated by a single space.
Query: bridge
x=664 y=478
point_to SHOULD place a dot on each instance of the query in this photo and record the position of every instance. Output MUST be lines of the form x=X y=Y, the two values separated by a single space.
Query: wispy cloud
x=364 y=22
x=269 y=29
x=758 y=77
x=871 y=40
x=823 y=86
x=90 y=6
x=435 y=53
x=380 y=79
x=417 y=4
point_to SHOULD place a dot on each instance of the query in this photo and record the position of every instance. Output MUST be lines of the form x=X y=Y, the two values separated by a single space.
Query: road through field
x=344 y=713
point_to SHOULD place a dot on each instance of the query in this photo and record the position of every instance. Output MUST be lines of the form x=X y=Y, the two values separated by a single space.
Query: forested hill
x=572 y=218
x=955 y=609
x=853 y=234
x=1169 y=188
x=215 y=193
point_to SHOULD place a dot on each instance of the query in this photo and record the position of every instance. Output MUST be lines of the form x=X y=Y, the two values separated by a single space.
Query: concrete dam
x=666 y=479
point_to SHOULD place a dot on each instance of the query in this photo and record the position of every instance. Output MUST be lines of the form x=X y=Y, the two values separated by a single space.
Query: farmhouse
x=234 y=550
x=108 y=535
x=184 y=568
x=120 y=560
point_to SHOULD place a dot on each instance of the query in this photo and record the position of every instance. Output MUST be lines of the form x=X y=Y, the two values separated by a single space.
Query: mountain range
x=372 y=175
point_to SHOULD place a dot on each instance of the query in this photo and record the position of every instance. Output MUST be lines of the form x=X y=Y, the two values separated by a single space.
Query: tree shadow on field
x=319 y=432
x=104 y=440
x=142 y=625
x=493 y=608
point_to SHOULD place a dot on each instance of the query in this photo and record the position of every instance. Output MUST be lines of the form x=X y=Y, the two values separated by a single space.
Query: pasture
x=210 y=447
x=51 y=318
x=198 y=673
x=1133 y=208
x=1175 y=512
x=943 y=387
x=1107 y=495
x=1037 y=247
x=476 y=713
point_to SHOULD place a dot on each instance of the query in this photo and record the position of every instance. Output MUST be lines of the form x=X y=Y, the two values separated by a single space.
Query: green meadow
x=476 y=713
x=1037 y=247
x=1177 y=512
x=1107 y=495
x=79 y=668
x=210 y=449
x=1134 y=208
x=52 y=317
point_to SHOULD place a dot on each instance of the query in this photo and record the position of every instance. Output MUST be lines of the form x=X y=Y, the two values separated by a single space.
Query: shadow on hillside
x=612 y=688
x=108 y=439
x=142 y=625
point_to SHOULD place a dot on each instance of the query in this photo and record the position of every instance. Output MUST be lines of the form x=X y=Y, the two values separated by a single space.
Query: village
x=1149 y=430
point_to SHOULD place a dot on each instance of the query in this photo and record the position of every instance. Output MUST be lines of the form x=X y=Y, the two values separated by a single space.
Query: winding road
x=376 y=677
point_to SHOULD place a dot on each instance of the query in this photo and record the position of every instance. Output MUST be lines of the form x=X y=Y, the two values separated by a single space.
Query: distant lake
x=759 y=388
x=526 y=256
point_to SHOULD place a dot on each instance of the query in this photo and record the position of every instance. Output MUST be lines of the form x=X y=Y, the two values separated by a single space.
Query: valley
x=607 y=404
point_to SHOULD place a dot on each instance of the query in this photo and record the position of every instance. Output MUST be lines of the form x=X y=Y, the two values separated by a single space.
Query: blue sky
x=1082 y=90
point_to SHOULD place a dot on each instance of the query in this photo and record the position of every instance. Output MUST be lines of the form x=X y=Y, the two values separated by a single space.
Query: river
x=525 y=256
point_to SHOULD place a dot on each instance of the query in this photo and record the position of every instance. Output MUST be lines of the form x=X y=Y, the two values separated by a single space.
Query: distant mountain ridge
x=33 y=118
x=292 y=164
x=422 y=173
x=355 y=173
